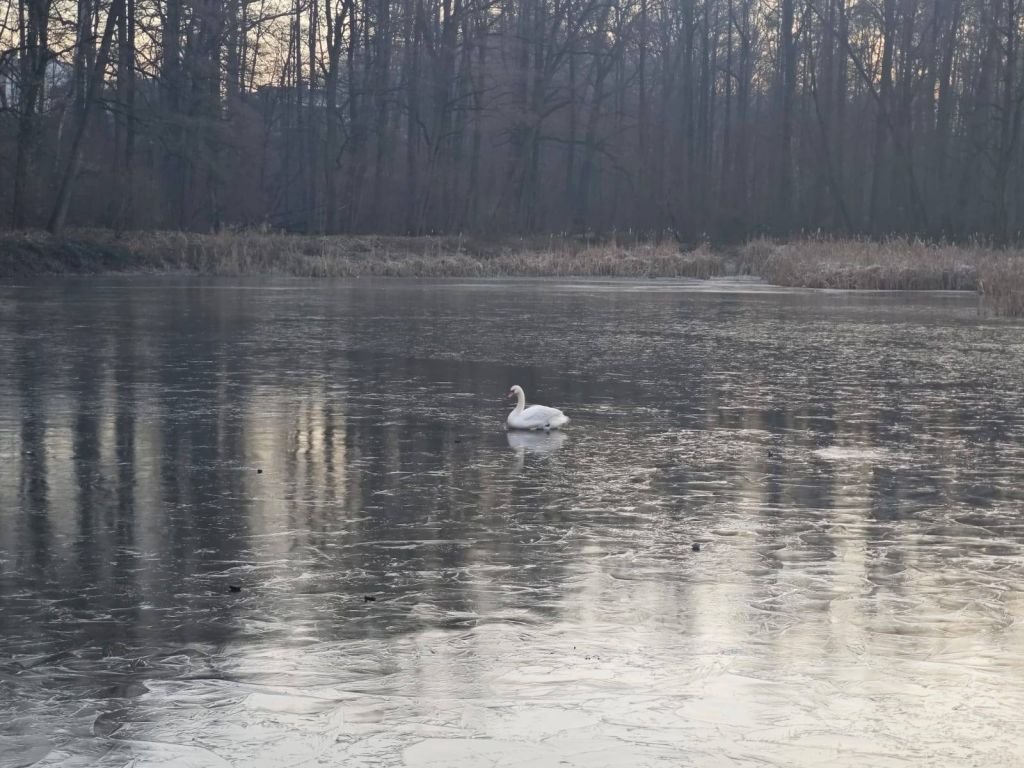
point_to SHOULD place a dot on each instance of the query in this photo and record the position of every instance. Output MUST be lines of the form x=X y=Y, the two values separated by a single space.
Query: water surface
x=417 y=587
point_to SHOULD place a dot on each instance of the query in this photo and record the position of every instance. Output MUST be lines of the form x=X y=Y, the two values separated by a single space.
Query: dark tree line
x=725 y=117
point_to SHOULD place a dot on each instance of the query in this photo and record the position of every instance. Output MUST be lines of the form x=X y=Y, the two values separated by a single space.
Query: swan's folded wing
x=539 y=416
x=560 y=420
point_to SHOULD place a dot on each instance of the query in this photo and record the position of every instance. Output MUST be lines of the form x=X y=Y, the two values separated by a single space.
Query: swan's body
x=534 y=417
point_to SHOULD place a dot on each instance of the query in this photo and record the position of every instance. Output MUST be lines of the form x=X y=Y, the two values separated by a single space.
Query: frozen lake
x=415 y=587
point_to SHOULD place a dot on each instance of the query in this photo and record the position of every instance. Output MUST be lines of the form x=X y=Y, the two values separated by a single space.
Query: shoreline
x=996 y=276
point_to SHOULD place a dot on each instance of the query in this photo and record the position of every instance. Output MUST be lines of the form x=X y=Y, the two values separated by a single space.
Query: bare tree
x=716 y=117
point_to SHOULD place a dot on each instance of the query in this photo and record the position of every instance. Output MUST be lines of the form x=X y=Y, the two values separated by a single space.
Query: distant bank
x=996 y=275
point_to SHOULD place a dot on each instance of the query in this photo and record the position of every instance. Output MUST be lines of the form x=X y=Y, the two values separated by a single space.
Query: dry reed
x=897 y=264
x=1001 y=285
x=247 y=253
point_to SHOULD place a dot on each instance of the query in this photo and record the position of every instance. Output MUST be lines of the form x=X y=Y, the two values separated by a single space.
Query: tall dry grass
x=248 y=253
x=1001 y=285
x=898 y=264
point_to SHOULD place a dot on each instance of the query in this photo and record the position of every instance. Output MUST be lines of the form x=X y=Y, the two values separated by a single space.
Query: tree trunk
x=1009 y=127
x=412 y=222
x=880 y=170
x=124 y=144
x=34 y=32
x=944 y=121
x=60 y=208
x=788 y=81
x=172 y=98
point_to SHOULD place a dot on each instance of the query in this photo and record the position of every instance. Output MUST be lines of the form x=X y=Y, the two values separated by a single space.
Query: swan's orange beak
x=511 y=393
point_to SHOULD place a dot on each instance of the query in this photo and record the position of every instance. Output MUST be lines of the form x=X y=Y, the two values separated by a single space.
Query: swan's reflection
x=541 y=443
x=537 y=443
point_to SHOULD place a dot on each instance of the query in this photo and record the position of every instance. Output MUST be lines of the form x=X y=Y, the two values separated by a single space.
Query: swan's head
x=516 y=391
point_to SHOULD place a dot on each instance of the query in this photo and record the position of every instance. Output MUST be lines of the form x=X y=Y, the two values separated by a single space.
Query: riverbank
x=253 y=253
x=996 y=275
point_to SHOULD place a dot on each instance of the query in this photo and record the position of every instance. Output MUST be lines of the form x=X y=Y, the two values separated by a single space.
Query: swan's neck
x=520 y=401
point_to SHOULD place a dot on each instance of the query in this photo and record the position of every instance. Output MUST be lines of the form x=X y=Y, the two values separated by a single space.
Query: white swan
x=534 y=417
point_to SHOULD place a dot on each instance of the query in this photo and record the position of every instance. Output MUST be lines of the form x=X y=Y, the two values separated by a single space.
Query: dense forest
x=725 y=118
